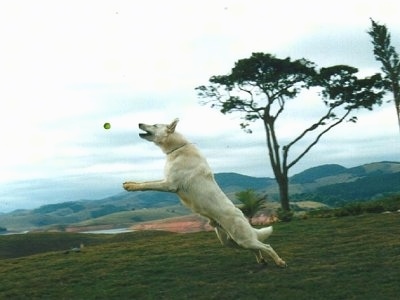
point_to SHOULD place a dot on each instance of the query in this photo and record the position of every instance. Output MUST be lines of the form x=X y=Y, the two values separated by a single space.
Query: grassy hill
x=336 y=258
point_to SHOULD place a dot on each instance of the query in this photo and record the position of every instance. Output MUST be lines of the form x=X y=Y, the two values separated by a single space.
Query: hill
x=313 y=174
x=328 y=184
x=336 y=185
x=328 y=259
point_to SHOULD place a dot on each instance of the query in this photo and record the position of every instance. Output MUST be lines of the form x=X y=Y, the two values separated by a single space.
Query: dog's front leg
x=159 y=185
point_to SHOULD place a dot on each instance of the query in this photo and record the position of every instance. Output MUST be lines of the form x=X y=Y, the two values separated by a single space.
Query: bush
x=341 y=212
x=353 y=209
x=284 y=215
x=373 y=208
x=387 y=203
x=391 y=203
x=321 y=213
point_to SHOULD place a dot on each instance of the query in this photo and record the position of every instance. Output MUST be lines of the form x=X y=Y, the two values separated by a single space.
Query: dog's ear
x=172 y=126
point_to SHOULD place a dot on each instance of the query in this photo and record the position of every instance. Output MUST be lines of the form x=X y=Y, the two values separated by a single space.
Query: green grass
x=355 y=257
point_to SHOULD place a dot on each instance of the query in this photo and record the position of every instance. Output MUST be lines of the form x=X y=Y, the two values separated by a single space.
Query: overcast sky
x=66 y=67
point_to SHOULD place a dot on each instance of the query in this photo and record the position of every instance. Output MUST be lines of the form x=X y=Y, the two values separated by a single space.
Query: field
x=356 y=257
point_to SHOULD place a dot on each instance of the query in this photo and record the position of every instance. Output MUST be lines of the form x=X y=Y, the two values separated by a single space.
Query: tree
x=260 y=86
x=251 y=202
x=386 y=54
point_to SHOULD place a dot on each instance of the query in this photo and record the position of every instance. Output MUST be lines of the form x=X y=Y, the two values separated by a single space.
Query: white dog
x=187 y=174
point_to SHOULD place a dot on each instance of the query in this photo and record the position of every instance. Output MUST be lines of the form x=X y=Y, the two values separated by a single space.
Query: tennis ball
x=107 y=125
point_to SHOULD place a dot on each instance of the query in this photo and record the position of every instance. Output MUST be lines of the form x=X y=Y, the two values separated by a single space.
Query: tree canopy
x=260 y=86
x=386 y=54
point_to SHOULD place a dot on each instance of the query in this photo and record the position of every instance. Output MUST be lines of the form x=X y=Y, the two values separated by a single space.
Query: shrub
x=251 y=202
x=391 y=203
x=373 y=207
x=387 y=203
x=353 y=209
x=284 y=215
x=321 y=213
x=341 y=212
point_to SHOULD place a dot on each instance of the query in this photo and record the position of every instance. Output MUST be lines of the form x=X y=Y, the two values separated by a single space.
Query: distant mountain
x=312 y=174
x=330 y=184
x=335 y=185
x=363 y=187
x=233 y=182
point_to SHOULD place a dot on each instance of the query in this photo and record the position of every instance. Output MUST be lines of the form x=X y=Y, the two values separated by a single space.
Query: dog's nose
x=140 y=124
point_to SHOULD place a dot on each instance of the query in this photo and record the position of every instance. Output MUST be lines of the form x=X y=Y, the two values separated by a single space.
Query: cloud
x=67 y=67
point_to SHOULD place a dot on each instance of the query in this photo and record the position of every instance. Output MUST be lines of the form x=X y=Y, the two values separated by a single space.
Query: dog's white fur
x=187 y=174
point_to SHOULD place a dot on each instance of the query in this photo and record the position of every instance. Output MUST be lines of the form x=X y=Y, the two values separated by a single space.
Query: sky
x=67 y=67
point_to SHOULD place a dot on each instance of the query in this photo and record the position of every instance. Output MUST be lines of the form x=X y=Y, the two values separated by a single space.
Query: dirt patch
x=191 y=223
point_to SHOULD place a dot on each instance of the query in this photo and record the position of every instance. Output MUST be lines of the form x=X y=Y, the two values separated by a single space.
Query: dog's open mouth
x=144 y=134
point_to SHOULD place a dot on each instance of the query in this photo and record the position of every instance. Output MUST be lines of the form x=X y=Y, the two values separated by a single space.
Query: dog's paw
x=281 y=263
x=129 y=186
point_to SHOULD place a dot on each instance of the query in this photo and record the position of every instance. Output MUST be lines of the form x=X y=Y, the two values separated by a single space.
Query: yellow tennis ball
x=107 y=125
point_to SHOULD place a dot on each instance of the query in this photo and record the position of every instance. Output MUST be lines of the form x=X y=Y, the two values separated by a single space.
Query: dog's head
x=157 y=133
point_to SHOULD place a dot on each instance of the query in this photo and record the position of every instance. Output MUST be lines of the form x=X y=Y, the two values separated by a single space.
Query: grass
x=356 y=257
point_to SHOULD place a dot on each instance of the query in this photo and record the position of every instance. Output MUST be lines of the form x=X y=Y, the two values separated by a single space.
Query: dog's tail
x=264 y=233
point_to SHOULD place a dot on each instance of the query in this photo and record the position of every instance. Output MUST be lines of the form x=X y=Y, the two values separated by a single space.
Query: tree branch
x=312 y=127
x=317 y=139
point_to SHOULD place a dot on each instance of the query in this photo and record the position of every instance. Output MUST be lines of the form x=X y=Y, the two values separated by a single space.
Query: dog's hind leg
x=263 y=233
x=260 y=259
x=266 y=249
x=224 y=237
x=261 y=250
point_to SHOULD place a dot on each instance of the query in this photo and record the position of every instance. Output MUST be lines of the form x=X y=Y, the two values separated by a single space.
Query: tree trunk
x=396 y=95
x=283 y=183
x=397 y=104
x=280 y=171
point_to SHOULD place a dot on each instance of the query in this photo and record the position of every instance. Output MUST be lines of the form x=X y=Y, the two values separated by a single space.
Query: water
x=109 y=231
